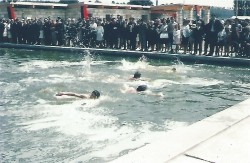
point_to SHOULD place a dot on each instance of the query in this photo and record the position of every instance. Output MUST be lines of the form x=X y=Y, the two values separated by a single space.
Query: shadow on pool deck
x=151 y=55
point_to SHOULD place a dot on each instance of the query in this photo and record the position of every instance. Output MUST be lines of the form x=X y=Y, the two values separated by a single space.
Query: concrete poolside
x=125 y=53
x=223 y=137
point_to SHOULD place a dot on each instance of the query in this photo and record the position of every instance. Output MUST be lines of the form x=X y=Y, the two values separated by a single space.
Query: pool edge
x=125 y=53
x=193 y=143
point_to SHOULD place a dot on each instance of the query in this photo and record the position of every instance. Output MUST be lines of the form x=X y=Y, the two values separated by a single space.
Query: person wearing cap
x=140 y=88
x=136 y=76
x=94 y=95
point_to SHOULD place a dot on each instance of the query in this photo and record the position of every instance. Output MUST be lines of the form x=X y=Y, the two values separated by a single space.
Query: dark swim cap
x=137 y=75
x=95 y=94
x=141 y=88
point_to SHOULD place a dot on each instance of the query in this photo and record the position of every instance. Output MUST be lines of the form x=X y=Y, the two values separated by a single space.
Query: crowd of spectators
x=217 y=38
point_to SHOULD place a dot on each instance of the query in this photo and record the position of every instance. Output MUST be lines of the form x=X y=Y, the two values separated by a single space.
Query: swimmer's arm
x=71 y=94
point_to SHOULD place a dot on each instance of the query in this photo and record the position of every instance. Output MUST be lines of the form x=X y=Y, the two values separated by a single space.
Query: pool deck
x=126 y=53
x=223 y=138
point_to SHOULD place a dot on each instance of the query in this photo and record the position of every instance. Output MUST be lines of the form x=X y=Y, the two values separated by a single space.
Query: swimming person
x=174 y=69
x=94 y=95
x=128 y=89
x=136 y=76
x=141 y=89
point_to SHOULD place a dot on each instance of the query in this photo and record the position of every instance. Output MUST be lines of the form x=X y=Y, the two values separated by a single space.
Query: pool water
x=37 y=126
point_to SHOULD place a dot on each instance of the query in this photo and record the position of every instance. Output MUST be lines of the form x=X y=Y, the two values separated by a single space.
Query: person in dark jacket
x=114 y=33
x=198 y=34
x=213 y=28
x=132 y=33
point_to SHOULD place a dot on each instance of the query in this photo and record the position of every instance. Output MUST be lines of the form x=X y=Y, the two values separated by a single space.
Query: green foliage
x=141 y=2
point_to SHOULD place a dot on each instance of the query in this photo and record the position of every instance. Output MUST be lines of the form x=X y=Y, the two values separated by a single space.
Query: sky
x=219 y=3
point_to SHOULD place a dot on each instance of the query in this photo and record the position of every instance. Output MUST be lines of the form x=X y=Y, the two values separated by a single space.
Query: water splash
x=143 y=58
x=141 y=64
x=87 y=59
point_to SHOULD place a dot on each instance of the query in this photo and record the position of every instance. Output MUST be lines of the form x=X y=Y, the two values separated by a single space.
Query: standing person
x=36 y=32
x=106 y=37
x=9 y=34
x=220 y=42
x=246 y=42
x=99 y=34
x=41 y=33
x=213 y=28
x=53 y=33
x=93 y=26
x=198 y=34
x=151 y=35
x=19 y=31
x=228 y=40
x=120 y=22
x=60 y=32
x=113 y=29
x=14 y=30
x=185 y=35
x=5 y=32
x=170 y=33
x=132 y=28
x=47 y=31
x=124 y=34
x=176 y=38
x=142 y=31
x=235 y=35
x=164 y=36
x=157 y=33
x=1 y=30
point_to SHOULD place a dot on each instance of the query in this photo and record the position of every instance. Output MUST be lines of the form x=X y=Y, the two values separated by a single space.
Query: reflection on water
x=37 y=126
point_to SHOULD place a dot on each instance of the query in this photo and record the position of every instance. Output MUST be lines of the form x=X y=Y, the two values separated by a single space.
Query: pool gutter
x=137 y=54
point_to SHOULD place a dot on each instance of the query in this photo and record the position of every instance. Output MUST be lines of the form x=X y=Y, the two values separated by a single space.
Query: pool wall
x=150 y=55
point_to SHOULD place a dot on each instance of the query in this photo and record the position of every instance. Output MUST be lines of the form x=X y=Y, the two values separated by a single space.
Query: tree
x=68 y=1
x=141 y=2
x=242 y=7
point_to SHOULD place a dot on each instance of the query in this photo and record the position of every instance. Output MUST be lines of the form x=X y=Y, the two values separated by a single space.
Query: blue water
x=37 y=126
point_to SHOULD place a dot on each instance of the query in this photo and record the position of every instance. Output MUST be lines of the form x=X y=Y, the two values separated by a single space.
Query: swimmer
x=141 y=89
x=174 y=69
x=136 y=76
x=94 y=95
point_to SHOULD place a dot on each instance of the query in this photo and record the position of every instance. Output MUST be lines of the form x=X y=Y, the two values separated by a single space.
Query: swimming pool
x=37 y=126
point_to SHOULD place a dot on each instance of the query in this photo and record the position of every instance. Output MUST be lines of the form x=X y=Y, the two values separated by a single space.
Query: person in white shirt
x=185 y=35
x=99 y=34
x=176 y=38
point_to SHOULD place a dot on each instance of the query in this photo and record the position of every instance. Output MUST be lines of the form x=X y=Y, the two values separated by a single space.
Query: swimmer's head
x=141 y=88
x=174 y=69
x=137 y=75
x=95 y=94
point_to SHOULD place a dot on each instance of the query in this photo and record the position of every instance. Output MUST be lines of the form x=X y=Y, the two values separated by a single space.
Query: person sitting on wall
x=94 y=95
